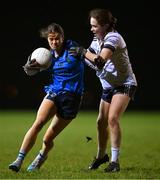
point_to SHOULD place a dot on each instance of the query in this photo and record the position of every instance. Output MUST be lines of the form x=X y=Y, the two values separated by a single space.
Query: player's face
x=55 y=41
x=98 y=30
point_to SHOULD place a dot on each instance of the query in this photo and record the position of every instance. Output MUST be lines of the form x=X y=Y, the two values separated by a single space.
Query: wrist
x=96 y=59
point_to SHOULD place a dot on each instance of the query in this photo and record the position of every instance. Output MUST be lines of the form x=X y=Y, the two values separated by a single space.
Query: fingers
x=34 y=63
x=31 y=67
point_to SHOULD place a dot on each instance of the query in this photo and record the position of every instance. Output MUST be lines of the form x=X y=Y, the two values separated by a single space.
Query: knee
x=113 y=120
x=102 y=122
x=38 y=126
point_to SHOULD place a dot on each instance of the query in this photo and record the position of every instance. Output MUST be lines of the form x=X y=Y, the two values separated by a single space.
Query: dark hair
x=54 y=27
x=103 y=17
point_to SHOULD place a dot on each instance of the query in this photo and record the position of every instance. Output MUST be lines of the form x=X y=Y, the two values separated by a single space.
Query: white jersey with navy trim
x=117 y=70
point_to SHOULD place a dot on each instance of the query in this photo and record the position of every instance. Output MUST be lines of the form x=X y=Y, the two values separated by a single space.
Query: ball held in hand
x=42 y=56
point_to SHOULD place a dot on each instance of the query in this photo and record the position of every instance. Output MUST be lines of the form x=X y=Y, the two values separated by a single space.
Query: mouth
x=54 y=47
x=94 y=34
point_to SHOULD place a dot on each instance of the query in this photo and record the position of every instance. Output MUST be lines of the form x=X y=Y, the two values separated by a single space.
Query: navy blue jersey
x=67 y=71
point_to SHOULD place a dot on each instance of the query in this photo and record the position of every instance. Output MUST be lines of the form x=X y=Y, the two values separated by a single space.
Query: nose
x=53 y=42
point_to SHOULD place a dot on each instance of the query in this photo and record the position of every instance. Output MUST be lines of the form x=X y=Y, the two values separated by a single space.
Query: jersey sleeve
x=111 y=41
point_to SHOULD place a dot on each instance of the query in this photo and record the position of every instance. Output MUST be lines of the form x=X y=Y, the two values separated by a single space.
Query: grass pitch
x=72 y=153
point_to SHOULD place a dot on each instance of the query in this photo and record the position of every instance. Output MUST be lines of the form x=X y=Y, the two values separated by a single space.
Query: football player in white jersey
x=119 y=84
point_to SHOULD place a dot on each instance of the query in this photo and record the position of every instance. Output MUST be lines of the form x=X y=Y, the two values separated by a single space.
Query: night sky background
x=20 y=23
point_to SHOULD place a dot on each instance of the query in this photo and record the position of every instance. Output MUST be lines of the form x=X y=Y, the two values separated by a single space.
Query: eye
x=50 y=39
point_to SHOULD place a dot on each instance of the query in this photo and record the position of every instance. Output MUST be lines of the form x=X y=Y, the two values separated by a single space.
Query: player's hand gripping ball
x=39 y=60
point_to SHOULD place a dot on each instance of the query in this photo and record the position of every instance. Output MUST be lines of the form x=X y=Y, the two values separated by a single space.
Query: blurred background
x=19 y=35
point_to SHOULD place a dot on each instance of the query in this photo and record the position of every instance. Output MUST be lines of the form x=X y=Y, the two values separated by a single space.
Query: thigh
x=46 y=111
x=118 y=105
x=56 y=126
x=103 y=109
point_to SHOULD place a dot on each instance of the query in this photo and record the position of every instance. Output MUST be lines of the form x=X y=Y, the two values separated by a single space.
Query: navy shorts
x=129 y=90
x=67 y=104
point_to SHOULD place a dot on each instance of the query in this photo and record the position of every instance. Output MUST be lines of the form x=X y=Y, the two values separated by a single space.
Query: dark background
x=19 y=34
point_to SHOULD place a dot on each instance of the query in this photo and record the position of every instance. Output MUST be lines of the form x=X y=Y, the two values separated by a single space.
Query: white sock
x=101 y=153
x=19 y=160
x=115 y=154
x=21 y=156
x=40 y=156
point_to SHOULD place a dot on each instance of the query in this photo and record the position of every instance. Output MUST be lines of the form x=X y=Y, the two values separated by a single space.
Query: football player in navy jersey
x=118 y=82
x=63 y=94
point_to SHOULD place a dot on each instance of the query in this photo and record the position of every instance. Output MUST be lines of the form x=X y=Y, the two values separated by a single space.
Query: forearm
x=104 y=55
x=97 y=60
x=90 y=56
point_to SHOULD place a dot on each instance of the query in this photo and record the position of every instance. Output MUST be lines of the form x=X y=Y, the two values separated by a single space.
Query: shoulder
x=112 y=35
x=114 y=39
